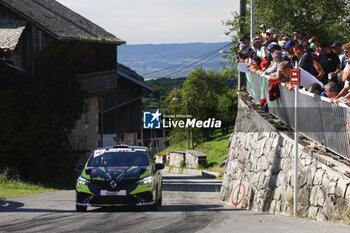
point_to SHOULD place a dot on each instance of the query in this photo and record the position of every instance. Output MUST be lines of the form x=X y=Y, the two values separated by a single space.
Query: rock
x=341 y=187
x=318 y=177
x=313 y=212
x=303 y=196
x=320 y=197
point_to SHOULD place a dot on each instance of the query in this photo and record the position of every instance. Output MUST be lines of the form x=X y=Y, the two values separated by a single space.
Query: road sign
x=295 y=76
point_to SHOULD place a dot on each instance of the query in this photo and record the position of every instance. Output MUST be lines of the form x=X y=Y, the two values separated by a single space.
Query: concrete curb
x=192 y=172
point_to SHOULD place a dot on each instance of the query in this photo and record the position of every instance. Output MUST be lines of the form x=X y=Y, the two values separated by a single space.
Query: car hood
x=117 y=173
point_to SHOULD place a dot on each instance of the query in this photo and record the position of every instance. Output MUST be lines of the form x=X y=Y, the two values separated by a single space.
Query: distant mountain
x=175 y=60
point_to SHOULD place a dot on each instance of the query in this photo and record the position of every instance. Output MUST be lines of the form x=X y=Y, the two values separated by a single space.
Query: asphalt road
x=190 y=204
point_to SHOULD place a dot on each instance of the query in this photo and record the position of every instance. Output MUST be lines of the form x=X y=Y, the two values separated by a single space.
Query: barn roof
x=10 y=32
x=59 y=21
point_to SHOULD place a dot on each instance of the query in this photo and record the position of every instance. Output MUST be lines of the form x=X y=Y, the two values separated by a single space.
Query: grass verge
x=10 y=188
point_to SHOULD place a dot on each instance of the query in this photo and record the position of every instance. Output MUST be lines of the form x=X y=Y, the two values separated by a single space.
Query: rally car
x=119 y=176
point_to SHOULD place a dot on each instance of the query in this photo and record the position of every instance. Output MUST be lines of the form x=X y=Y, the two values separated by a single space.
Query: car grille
x=97 y=185
x=114 y=200
x=144 y=197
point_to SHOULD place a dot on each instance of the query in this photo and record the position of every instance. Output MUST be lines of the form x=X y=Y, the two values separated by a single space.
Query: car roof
x=122 y=146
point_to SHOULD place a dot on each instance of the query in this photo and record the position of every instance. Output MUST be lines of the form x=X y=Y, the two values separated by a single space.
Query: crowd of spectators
x=324 y=68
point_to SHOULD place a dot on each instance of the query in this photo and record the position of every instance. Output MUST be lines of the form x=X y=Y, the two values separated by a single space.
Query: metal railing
x=318 y=119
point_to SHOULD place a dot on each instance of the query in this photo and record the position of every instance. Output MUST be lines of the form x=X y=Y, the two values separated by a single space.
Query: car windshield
x=120 y=158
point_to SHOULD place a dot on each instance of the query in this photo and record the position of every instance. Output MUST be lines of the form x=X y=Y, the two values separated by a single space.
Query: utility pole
x=243 y=14
x=252 y=21
x=188 y=134
x=101 y=121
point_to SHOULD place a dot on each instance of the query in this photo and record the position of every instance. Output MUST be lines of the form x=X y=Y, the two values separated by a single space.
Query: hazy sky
x=159 y=21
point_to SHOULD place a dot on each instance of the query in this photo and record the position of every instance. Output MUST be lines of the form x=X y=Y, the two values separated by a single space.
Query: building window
x=86 y=113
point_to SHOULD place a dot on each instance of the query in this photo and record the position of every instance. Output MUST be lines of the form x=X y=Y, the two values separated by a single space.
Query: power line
x=194 y=60
x=201 y=61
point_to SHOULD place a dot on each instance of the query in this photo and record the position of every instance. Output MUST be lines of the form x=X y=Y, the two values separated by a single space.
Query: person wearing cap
x=261 y=51
x=296 y=35
x=330 y=63
x=288 y=50
x=337 y=49
x=263 y=32
x=248 y=56
x=244 y=46
x=269 y=34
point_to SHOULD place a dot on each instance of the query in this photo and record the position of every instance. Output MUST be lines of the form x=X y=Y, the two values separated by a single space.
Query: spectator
x=313 y=44
x=302 y=39
x=345 y=74
x=305 y=59
x=263 y=32
x=296 y=35
x=255 y=66
x=306 y=79
x=286 y=38
x=316 y=89
x=269 y=34
x=261 y=51
x=345 y=77
x=337 y=49
x=330 y=63
x=271 y=48
x=244 y=46
x=288 y=50
x=277 y=59
x=248 y=56
x=318 y=71
x=330 y=90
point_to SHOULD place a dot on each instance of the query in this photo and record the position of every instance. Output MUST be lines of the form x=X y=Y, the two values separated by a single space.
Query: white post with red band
x=295 y=79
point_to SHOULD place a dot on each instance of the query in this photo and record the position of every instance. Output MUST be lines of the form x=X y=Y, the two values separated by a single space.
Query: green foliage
x=326 y=19
x=36 y=116
x=162 y=87
x=182 y=164
x=204 y=95
x=227 y=109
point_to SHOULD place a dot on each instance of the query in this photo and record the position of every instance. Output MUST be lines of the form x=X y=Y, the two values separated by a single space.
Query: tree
x=328 y=20
x=207 y=96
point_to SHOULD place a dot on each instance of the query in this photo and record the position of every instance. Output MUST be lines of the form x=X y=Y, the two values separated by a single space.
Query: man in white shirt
x=261 y=51
x=306 y=79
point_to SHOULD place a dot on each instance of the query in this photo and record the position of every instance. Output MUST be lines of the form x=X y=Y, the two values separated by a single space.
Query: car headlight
x=82 y=181
x=146 y=180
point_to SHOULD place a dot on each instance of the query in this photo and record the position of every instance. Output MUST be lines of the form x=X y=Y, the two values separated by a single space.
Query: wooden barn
x=38 y=37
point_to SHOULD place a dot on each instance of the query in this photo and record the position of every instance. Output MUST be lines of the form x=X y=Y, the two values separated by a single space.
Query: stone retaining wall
x=261 y=157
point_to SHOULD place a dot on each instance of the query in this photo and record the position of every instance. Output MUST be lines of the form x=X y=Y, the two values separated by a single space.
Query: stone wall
x=261 y=157
x=195 y=158
x=176 y=157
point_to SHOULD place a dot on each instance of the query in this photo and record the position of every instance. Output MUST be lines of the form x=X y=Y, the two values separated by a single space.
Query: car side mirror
x=79 y=167
x=159 y=166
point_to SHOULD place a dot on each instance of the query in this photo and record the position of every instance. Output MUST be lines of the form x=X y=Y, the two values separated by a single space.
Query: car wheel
x=159 y=202
x=80 y=208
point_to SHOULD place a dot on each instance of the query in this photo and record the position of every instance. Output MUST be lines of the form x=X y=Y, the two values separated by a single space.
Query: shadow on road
x=188 y=184
x=192 y=187
x=12 y=206
x=169 y=208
